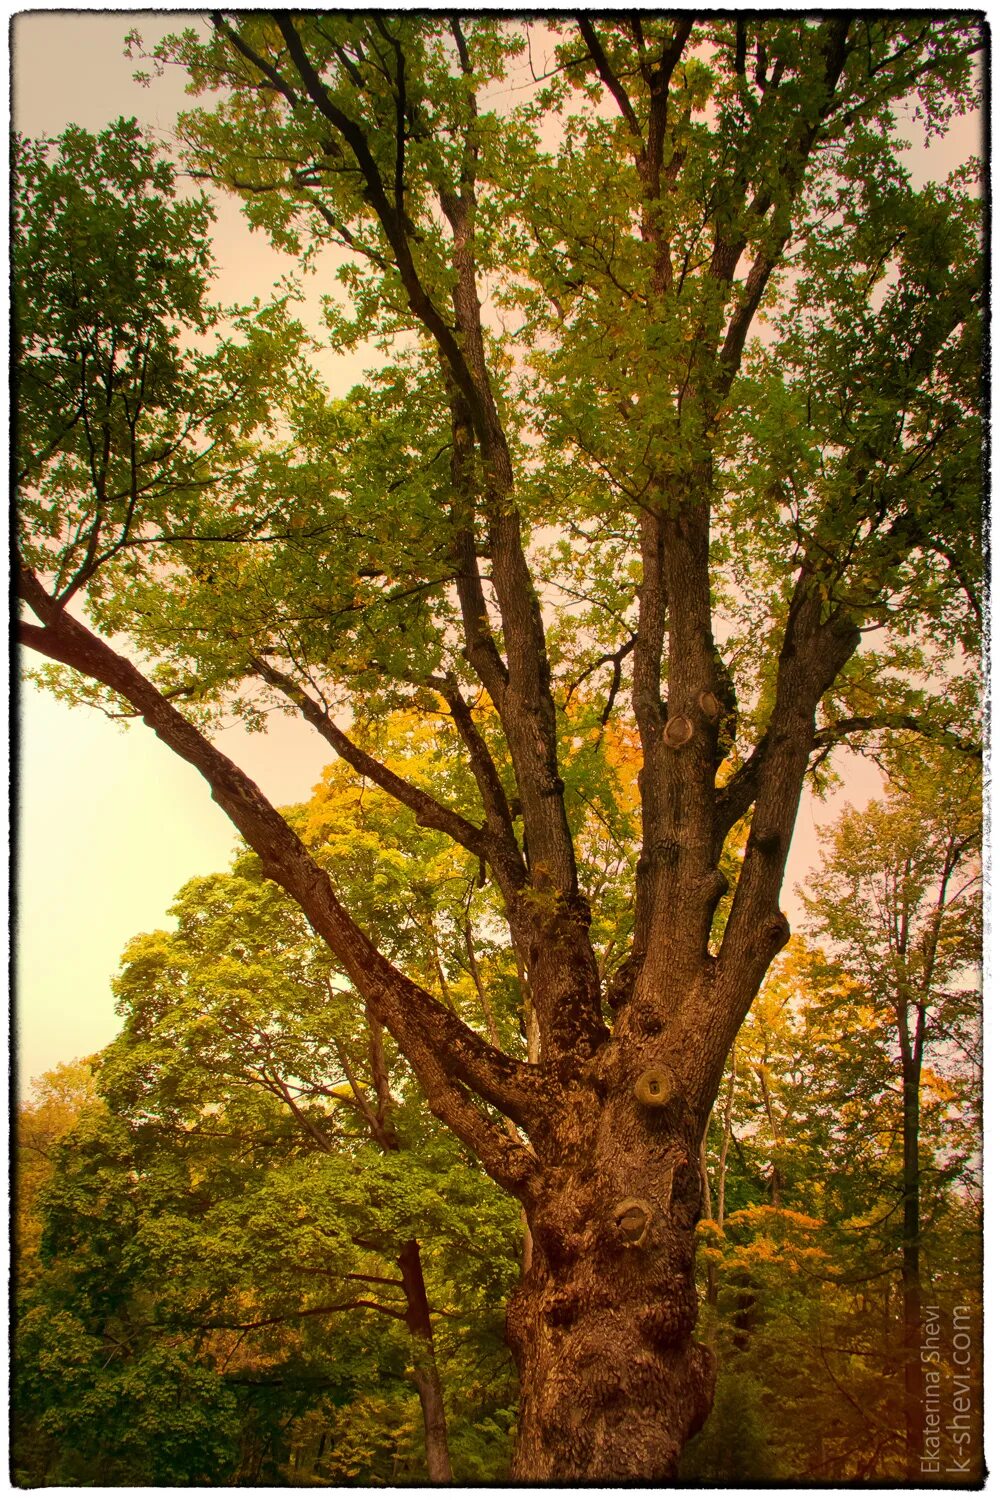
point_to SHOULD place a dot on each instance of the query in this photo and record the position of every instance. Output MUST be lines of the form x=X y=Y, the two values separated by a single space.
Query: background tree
x=898 y=901
x=771 y=547
x=273 y=1191
x=57 y=1100
x=810 y=1305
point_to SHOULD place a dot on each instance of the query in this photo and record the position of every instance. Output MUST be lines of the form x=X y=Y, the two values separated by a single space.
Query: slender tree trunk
x=712 y=1276
x=706 y=1186
x=425 y=1370
x=727 y=1127
x=426 y=1377
x=777 y=1138
x=913 y=1375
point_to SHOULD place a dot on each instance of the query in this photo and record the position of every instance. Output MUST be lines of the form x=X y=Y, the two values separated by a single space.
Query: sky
x=109 y=822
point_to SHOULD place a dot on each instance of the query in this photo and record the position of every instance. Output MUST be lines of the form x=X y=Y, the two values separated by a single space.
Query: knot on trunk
x=632 y=1219
x=677 y=731
x=656 y=1087
x=777 y=932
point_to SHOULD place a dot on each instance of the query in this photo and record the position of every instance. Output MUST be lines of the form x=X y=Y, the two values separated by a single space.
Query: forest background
x=760 y=1310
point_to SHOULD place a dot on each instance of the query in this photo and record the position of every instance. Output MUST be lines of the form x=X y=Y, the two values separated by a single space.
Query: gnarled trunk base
x=612 y=1382
x=604 y=1403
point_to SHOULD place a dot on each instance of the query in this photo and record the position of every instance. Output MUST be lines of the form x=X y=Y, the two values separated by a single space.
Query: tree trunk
x=612 y=1382
x=418 y=1315
x=712 y=1276
x=425 y=1370
x=913 y=1373
x=727 y=1130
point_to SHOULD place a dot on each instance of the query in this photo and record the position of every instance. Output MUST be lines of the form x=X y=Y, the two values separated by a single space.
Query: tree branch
x=382 y=1136
x=428 y=811
x=613 y=659
x=391 y=220
x=302 y=1119
x=607 y=76
x=379 y=1280
x=254 y=58
x=832 y=734
x=798 y=146
x=309 y=1312
x=505 y=855
x=444 y=1052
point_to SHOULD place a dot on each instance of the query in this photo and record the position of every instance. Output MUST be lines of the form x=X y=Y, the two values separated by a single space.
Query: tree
x=580 y=504
x=805 y=1303
x=231 y=996
x=268 y=1192
x=898 y=901
x=57 y=1100
x=243 y=1000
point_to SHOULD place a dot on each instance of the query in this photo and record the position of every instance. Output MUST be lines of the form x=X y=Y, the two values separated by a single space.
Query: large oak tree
x=672 y=454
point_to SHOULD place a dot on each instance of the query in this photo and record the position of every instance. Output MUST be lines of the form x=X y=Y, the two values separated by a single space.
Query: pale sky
x=110 y=822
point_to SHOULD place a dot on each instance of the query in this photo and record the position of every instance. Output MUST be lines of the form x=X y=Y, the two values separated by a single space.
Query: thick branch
x=520 y=691
x=443 y=1051
x=739 y=793
x=646 y=699
x=522 y=695
x=506 y=859
x=481 y=648
x=814 y=652
x=677 y=884
x=611 y=82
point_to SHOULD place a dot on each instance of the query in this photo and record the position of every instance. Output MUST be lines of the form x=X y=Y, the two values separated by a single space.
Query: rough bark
x=612 y=1381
